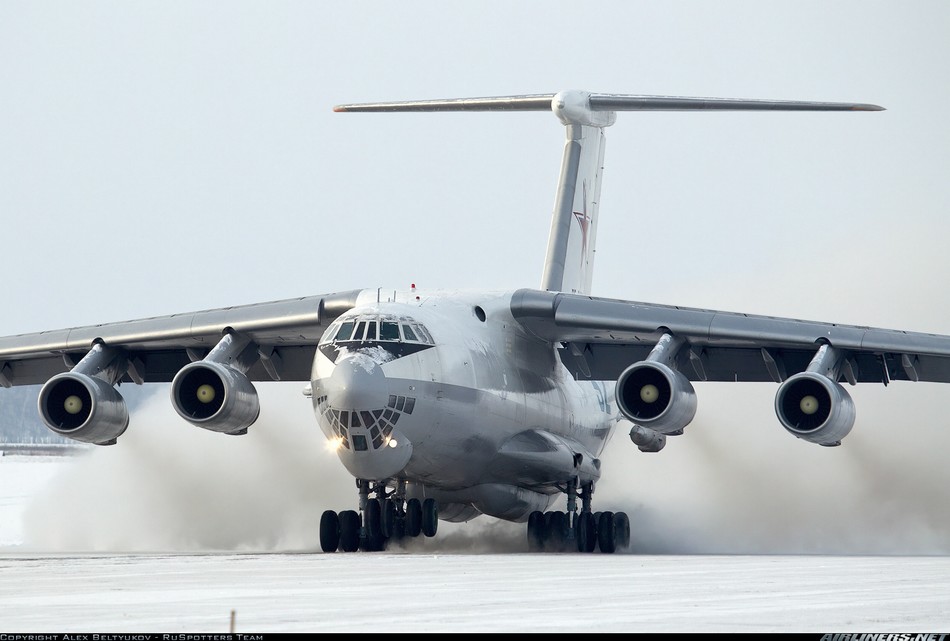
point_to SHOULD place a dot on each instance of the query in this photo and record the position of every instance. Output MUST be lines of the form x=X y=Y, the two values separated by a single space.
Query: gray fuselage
x=452 y=396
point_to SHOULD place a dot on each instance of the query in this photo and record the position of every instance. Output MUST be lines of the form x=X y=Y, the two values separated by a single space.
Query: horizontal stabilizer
x=536 y=102
x=607 y=102
x=568 y=266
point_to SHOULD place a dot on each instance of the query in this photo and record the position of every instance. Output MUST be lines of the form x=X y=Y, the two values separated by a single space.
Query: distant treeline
x=19 y=419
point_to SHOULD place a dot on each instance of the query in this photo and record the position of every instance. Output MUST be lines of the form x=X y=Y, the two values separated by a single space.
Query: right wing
x=157 y=348
x=210 y=357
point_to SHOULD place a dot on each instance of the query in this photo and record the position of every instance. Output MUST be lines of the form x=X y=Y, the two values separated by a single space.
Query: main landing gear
x=386 y=516
x=583 y=532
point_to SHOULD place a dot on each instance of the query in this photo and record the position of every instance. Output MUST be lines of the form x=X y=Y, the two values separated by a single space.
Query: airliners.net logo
x=883 y=637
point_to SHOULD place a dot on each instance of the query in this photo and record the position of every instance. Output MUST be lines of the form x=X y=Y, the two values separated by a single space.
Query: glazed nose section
x=357 y=383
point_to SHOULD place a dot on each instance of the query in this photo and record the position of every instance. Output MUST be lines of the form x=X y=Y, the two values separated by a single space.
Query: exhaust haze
x=170 y=486
x=735 y=483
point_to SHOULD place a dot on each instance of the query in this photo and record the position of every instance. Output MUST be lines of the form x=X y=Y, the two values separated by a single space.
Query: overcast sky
x=160 y=157
x=163 y=157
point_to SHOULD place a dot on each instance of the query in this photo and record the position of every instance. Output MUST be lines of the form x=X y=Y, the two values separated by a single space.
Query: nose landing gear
x=384 y=516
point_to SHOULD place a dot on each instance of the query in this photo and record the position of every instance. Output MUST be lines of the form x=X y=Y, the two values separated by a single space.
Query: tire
x=399 y=530
x=586 y=534
x=605 y=533
x=372 y=517
x=621 y=531
x=413 y=518
x=388 y=518
x=556 y=523
x=536 y=531
x=430 y=517
x=329 y=531
x=349 y=531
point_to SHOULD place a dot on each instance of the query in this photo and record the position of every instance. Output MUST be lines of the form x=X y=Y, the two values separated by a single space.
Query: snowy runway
x=466 y=593
x=469 y=578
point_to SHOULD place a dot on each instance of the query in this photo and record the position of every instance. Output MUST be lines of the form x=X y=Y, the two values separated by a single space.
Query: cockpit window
x=389 y=331
x=387 y=328
x=423 y=334
x=346 y=330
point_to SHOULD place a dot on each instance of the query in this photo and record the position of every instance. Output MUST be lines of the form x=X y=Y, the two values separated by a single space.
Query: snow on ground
x=470 y=593
x=446 y=588
x=20 y=477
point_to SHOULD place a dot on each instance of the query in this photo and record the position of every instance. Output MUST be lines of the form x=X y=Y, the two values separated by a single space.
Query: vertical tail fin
x=569 y=264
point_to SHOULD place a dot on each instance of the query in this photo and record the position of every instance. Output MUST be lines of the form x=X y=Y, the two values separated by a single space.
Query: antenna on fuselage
x=568 y=266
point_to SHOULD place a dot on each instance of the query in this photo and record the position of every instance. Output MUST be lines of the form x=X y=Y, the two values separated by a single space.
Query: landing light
x=393 y=443
x=334 y=444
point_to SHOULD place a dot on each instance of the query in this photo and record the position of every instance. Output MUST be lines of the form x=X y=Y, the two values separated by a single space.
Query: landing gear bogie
x=583 y=531
x=383 y=518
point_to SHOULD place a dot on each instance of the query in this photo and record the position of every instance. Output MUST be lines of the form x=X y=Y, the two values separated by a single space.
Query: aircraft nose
x=357 y=383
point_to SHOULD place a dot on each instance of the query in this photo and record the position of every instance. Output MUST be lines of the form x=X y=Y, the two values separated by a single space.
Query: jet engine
x=82 y=404
x=653 y=395
x=216 y=397
x=815 y=408
x=83 y=408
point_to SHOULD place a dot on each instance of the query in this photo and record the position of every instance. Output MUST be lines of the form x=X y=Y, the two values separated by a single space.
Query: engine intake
x=216 y=397
x=652 y=394
x=815 y=408
x=83 y=408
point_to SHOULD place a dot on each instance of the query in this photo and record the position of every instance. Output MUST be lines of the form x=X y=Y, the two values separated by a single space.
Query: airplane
x=446 y=406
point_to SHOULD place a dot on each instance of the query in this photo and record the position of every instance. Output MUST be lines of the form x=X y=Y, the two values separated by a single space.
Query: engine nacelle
x=216 y=397
x=654 y=395
x=83 y=408
x=815 y=408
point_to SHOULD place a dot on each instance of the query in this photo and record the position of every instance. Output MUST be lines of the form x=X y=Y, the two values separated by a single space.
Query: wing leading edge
x=604 y=336
x=286 y=332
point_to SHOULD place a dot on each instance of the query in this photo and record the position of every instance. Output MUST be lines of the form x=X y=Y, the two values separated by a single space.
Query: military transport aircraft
x=449 y=406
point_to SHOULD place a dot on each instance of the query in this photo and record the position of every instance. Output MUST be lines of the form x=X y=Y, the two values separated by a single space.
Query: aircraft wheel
x=399 y=530
x=349 y=531
x=536 y=531
x=586 y=534
x=430 y=517
x=621 y=531
x=605 y=533
x=556 y=523
x=413 y=518
x=372 y=517
x=329 y=531
x=388 y=518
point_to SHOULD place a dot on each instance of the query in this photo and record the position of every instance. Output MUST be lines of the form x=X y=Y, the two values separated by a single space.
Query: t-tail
x=569 y=264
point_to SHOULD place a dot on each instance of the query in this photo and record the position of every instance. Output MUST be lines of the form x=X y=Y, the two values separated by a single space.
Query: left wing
x=603 y=336
x=655 y=351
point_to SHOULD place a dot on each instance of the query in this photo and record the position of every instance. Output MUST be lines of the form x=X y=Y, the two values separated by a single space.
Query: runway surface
x=439 y=585
x=467 y=593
